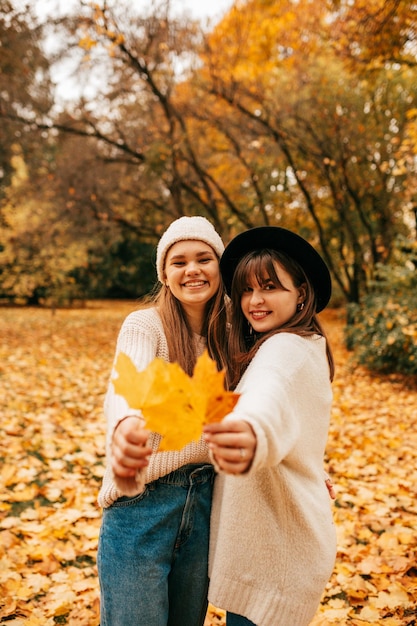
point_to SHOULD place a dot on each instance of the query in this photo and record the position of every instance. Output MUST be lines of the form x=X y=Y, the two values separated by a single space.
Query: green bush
x=382 y=329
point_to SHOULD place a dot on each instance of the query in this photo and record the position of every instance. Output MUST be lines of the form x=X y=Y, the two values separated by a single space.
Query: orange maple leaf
x=174 y=404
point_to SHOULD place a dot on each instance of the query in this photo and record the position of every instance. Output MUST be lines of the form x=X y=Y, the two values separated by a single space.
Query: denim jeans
x=153 y=552
x=232 y=619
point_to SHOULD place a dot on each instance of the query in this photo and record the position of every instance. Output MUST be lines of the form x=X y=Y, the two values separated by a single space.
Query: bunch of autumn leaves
x=173 y=404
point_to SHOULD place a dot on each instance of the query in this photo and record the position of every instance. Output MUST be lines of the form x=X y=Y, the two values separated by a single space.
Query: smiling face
x=192 y=273
x=268 y=301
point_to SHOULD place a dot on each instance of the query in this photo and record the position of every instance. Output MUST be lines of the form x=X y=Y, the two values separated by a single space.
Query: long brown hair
x=242 y=345
x=180 y=339
x=179 y=335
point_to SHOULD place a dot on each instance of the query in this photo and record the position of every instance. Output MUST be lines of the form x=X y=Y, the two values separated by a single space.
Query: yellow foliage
x=53 y=376
x=86 y=43
x=174 y=404
x=255 y=38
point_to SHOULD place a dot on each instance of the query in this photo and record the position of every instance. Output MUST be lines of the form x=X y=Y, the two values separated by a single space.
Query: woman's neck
x=195 y=319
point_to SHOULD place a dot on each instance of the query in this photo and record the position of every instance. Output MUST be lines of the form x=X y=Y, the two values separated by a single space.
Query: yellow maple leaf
x=174 y=404
x=219 y=402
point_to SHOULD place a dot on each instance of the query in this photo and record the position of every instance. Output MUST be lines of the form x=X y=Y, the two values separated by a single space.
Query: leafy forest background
x=298 y=113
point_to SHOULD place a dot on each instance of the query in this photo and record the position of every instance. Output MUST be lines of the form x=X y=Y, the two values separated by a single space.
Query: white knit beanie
x=196 y=227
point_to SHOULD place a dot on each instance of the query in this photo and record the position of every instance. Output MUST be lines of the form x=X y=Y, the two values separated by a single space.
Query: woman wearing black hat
x=273 y=543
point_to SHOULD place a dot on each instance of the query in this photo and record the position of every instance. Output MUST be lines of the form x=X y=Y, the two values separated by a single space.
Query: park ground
x=54 y=368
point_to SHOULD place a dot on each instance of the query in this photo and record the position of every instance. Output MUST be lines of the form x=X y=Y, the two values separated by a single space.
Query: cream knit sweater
x=273 y=543
x=142 y=338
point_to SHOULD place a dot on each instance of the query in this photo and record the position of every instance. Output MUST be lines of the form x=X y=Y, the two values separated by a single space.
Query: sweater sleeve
x=140 y=337
x=140 y=344
x=278 y=376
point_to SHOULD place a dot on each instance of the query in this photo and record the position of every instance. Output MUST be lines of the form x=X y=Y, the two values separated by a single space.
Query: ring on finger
x=242 y=452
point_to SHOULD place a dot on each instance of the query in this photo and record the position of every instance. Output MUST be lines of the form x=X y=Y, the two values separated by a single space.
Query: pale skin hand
x=130 y=451
x=233 y=444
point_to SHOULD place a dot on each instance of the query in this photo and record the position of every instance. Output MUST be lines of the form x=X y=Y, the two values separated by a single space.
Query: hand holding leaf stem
x=232 y=443
x=130 y=451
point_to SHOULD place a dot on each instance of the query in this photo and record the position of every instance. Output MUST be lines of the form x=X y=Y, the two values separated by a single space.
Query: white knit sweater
x=273 y=541
x=142 y=338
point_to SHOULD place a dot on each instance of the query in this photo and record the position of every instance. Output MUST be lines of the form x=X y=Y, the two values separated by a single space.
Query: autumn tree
x=373 y=33
x=269 y=132
x=59 y=242
x=87 y=181
x=24 y=86
x=261 y=121
x=25 y=90
x=380 y=34
x=140 y=127
x=337 y=138
x=126 y=168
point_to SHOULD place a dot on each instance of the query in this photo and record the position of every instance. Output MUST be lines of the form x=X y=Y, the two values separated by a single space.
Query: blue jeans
x=232 y=619
x=153 y=552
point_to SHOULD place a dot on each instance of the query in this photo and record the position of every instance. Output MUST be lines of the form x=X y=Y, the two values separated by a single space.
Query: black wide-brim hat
x=281 y=240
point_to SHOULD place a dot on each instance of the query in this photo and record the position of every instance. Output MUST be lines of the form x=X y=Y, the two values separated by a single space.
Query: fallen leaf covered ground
x=54 y=368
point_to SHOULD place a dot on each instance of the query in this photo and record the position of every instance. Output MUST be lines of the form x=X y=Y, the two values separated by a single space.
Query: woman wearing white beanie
x=153 y=546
